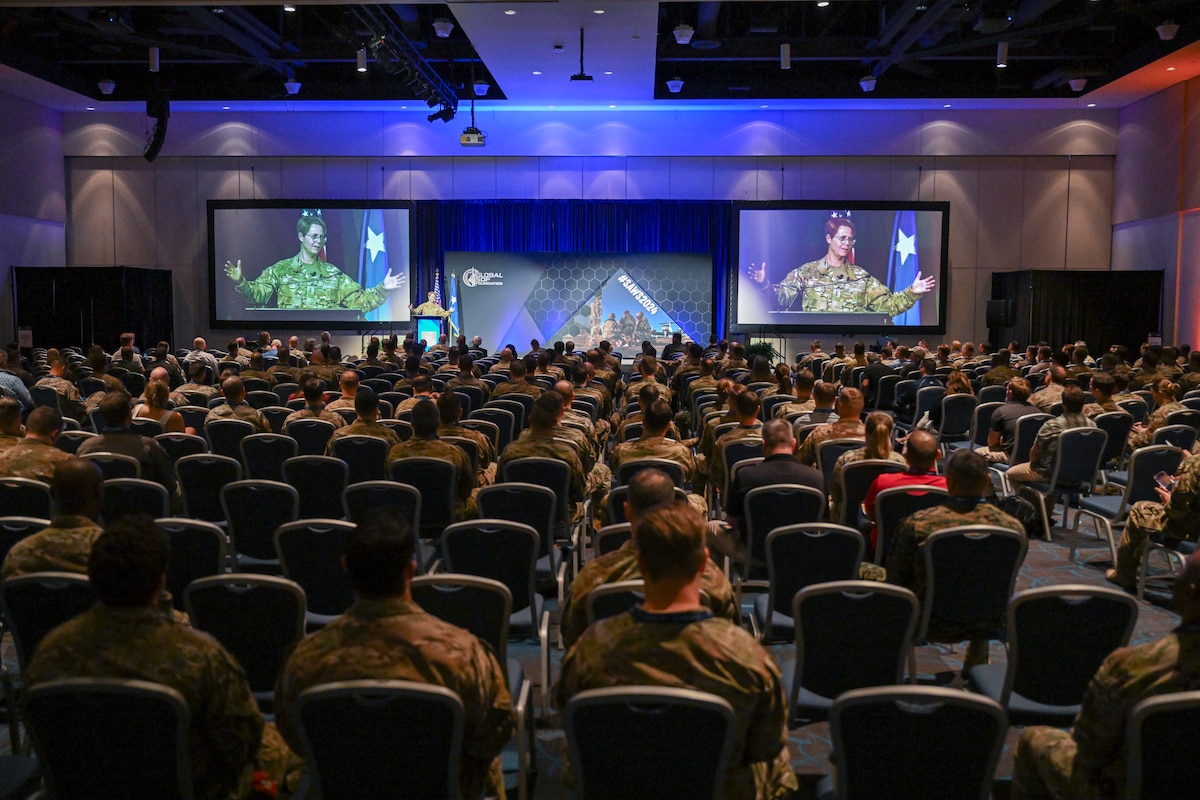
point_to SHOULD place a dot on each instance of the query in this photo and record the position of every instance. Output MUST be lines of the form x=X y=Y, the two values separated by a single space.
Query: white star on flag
x=905 y=245
x=375 y=243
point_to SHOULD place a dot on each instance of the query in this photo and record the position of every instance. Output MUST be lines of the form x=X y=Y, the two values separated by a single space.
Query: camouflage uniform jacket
x=1045 y=398
x=144 y=644
x=906 y=561
x=632 y=389
x=417 y=447
x=393 y=639
x=516 y=387
x=654 y=447
x=820 y=286
x=538 y=444
x=1178 y=519
x=621 y=565
x=998 y=376
x=796 y=407
x=309 y=412
x=319 y=285
x=60 y=385
x=1092 y=409
x=1157 y=418
x=694 y=650
x=363 y=428
x=8 y=440
x=1049 y=434
x=461 y=379
x=31 y=459
x=842 y=429
x=242 y=411
x=487 y=451
x=64 y=546
x=430 y=309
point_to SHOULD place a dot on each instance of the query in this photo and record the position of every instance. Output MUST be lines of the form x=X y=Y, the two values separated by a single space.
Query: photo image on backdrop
x=857 y=266
x=350 y=265
x=626 y=298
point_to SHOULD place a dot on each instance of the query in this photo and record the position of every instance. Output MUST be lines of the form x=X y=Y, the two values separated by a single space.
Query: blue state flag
x=452 y=290
x=903 y=263
x=372 y=256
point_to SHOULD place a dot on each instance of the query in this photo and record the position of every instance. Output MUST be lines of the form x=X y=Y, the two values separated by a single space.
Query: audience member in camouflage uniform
x=745 y=405
x=1088 y=761
x=1051 y=393
x=803 y=382
x=1045 y=446
x=833 y=284
x=127 y=635
x=1174 y=518
x=969 y=484
x=450 y=412
x=539 y=442
x=655 y=444
x=35 y=455
x=198 y=383
x=117 y=437
x=348 y=383
x=386 y=636
x=314 y=407
x=849 y=425
x=65 y=544
x=516 y=383
x=236 y=407
x=671 y=640
x=648 y=489
x=10 y=423
x=69 y=400
x=422 y=388
x=425 y=444
x=366 y=406
x=465 y=376
x=1166 y=402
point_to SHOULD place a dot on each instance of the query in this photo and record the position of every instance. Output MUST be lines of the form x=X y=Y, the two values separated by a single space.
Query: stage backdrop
x=515 y=297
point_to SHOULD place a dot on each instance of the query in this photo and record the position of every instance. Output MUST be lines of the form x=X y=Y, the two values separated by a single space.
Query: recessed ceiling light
x=946 y=106
x=1091 y=105
x=403 y=108
x=823 y=3
x=537 y=72
x=218 y=10
x=608 y=72
x=597 y=10
x=510 y=11
x=289 y=7
x=762 y=106
x=613 y=105
x=1170 y=69
x=91 y=108
x=551 y=106
x=224 y=108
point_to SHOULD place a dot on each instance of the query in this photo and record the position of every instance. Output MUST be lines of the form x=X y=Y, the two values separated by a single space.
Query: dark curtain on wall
x=574 y=226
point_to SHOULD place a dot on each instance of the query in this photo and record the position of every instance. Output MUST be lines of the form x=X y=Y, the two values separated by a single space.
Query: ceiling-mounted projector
x=472 y=137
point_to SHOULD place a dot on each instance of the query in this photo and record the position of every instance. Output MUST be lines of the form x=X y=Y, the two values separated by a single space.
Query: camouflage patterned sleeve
x=229 y=720
x=790 y=289
x=261 y=288
x=351 y=295
x=876 y=297
x=901 y=561
x=489 y=723
x=1099 y=730
x=1184 y=509
x=768 y=733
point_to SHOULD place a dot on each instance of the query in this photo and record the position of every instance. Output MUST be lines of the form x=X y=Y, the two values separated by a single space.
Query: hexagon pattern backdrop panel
x=584 y=297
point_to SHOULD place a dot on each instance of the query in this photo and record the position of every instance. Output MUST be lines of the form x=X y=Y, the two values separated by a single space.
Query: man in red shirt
x=920 y=454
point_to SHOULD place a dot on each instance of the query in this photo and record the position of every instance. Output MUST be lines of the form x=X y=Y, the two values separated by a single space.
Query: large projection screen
x=511 y=298
x=841 y=266
x=298 y=283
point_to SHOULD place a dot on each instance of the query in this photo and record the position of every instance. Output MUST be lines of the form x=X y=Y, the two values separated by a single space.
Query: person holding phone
x=1174 y=520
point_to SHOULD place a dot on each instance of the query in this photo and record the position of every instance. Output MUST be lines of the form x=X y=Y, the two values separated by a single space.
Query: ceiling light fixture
x=597 y=10
x=154 y=63
x=785 y=56
x=291 y=85
x=361 y=59
x=442 y=27
x=1002 y=55
x=581 y=75
x=445 y=115
x=1077 y=84
x=675 y=85
x=1091 y=105
x=289 y=7
x=1167 y=30
x=510 y=12
x=867 y=83
x=481 y=87
x=823 y=3
x=683 y=33
x=107 y=86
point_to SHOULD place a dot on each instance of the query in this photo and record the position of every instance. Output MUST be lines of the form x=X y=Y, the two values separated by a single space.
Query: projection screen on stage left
x=627 y=298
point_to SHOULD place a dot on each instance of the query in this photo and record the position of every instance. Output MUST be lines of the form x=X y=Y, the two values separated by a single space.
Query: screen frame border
x=299 y=322
x=734 y=277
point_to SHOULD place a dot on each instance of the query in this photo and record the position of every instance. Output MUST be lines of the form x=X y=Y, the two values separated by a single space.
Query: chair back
x=1058 y=636
x=611 y=537
x=14 y=529
x=310 y=553
x=1077 y=461
x=885 y=392
x=366 y=456
x=610 y=599
x=806 y=554
x=1026 y=433
x=45 y=396
x=928 y=398
x=201 y=478
x=1160 y=742
x=134 y=383
x=102 y=738
x=497 y=549
x=1117 y=425
x=178 y=445
x=320 y=482
x=958 y=417
x=311 y=435
x=729 y=453
x=115 y=465
x=893 y=505
x=275 y=417
x=143 y=426
x=512 y=404
x=849 y=635
x=124 y=496
x=360 y=499
x=856 y=478
x=615 y=503
x=830 y=450
x=263 y=454
x=254 y=510
x=610 y=731
x=257 y=618
x=629 y=468
x=544 y=472
x=1181 y=436
x=1186 y=416
x=504 y=420
x=435 y=479
x=970 y=573
x=196 y=549
x=25 y=497
x=39 y=602
x=517 y=501
x=771 y=507
x=346 y=724
x=993 y=394
x=1144 y=464
x=69 y=440
x=1139 y=409
x=261 y=398
x=225 y=436
x=479 y=605
x=873 y=731
x=488 y=429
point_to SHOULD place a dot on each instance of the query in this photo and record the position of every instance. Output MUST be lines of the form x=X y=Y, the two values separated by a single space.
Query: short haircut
x=920 y=450
x=314 y=391
x=852 y=401
x=1103 y=383
x=43 y=421
x=1072 y=399
x=466 y=362
x=425 y=418
x=516 y=369
x=115 y=408
x=128 y=561
x=776 y=433
x=1019 y=389
x=824 y=393
x=449 y=407
x=378 y=551
x=10 y=413
x=546 y=410
x=747 y=404
x=657 y=417
x=804 y=380
x=366 y=403
x=349 y=378
x=647 y=394
x=76 y=484
x=967 y=473
x=422 y=384
x=648 y=488
x=233 y=388
x=670 y=538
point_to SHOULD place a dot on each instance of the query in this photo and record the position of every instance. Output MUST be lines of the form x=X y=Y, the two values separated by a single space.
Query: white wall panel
x=515 y=180
x=344 y=178
x=998 y=211
x=133 y=213
x=823 y=179
x=1089 y=234
x=957 y=181
x=1043 y=226
x=560 y=178
x=647 y=178
x=604 y=178
x=432 y=178
x=1147 y=175
x=90 y=208
x=475 y=178
x=691 y=178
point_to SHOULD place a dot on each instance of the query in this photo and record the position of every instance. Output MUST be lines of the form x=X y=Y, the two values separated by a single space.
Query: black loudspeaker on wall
x=999 y=313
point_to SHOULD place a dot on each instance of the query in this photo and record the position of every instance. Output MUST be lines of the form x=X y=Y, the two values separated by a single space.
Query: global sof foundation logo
x=473 y=277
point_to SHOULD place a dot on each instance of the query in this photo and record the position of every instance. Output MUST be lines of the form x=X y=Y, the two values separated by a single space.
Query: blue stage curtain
x=575 y=226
